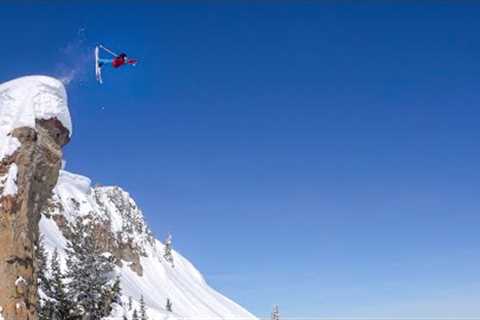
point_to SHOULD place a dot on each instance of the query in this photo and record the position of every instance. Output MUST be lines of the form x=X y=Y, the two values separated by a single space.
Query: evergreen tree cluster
x=168 y=250
x=135 y=315
x=143 y=310
x=85 y=291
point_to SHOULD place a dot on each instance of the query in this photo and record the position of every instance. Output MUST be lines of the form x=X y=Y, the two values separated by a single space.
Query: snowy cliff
x=34 y=125
x=36 y=197
x=143 y=269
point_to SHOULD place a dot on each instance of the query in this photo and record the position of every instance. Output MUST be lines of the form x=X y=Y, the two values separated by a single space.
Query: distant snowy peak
x=125 y=216
x=112 y=207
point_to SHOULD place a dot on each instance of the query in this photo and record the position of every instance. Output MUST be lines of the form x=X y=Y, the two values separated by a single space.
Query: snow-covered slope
x=158 y=280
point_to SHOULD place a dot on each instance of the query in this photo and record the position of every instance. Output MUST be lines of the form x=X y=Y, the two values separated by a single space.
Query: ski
x=118 y=61
x=98 y=69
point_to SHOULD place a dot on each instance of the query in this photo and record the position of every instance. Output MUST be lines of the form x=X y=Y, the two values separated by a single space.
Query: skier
x=118 y=61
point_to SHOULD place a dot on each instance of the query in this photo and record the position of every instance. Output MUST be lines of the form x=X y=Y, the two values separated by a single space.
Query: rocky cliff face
x=31 y=154
x=119 y=227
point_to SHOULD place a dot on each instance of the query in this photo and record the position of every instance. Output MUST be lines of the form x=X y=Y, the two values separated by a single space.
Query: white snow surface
x=26 y=99
x=183 y=284
x=9 y=181
x=19 y=281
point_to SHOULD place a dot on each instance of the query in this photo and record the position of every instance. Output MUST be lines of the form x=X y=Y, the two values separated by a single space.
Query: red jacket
x=121 y=60
x=118 y=61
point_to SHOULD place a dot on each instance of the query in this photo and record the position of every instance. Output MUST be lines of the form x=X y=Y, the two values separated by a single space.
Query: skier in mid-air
x=118 y=61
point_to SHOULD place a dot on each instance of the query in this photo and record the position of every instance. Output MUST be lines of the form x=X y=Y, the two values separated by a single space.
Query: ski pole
x=108 y=50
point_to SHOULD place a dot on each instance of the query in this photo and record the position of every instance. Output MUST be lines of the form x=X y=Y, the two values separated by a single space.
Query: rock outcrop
x=30 y=109
x=125 y=241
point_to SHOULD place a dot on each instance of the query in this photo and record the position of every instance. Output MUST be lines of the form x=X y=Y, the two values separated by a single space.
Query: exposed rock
x=38 y=160
x=120 y=240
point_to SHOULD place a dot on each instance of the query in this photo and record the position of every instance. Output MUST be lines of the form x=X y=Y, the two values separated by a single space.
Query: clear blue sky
x=323 y=156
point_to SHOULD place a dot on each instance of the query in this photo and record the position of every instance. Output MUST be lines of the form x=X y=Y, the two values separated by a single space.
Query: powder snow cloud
x=75 y=58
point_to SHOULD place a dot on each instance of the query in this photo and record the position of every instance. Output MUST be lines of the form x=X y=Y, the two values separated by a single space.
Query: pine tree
x=168 y=249
x=117 y=292
x=169 y=305
x=275 y=313
x=58 y=292
x=135 y=315
x=143 y=311
x=42 y=262
x=129 y=303
x=45 y=306
x=111 y=294
x=45 y=309
x=88 y=273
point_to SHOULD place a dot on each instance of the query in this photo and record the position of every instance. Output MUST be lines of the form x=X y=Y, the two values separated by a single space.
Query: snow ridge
x=158 y=280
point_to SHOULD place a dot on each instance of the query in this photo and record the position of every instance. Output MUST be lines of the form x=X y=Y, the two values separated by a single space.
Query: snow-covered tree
x=117 y=291
x=169 y=305
x=143 y=311
x=135 y=315
x=275 y=313
x=45 y=304
x=45 y=309
x=111 y=294
x=168 y=249
x=89 y=287
x=129 y=303
x=58 y=293
x=42 y=263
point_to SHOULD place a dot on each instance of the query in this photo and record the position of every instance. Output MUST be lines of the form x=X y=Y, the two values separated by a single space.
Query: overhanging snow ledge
x=27 y=99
